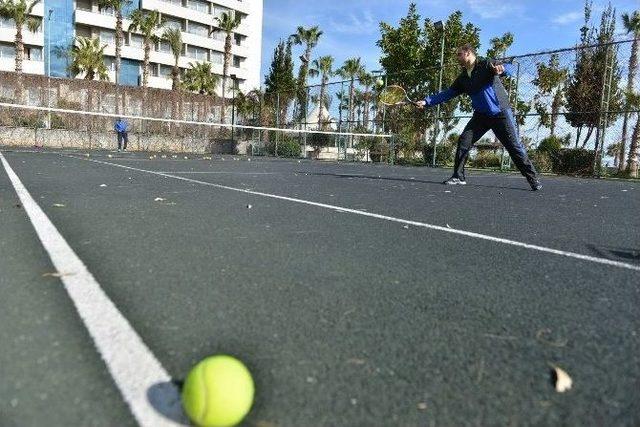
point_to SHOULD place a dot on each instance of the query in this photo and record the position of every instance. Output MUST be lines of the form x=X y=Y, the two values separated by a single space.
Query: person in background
x=121 y=129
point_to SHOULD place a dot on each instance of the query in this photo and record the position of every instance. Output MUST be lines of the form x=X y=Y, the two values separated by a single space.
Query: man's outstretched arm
x=438 y=98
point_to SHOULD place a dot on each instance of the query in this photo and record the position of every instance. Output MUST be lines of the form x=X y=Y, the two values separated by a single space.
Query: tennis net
x=43 y=127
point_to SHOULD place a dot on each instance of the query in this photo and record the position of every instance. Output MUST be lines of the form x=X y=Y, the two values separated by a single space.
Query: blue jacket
x=487 y=93
x=121 y=126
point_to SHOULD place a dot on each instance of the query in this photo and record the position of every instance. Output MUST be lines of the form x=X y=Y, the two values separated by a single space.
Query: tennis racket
x=394 y=95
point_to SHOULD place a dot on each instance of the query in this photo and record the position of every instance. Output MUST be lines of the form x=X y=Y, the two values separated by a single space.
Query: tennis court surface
x=357 y=294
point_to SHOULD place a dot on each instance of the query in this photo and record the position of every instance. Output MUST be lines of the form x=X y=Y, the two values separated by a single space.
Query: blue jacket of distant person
x=121 y=126
x=488 y=95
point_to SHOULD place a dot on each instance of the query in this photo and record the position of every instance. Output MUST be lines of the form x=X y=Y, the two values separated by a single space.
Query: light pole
x=439 y=25
x=233 y=105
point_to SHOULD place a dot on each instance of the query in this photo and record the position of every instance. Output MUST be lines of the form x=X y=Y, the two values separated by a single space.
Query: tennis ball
x=379 y=82
x=218 y=392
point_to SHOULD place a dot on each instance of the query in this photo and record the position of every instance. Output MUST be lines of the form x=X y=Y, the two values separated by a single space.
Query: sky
x=351 y=27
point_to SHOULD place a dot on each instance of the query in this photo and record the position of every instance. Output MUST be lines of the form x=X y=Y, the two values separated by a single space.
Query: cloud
x=362 y=24
x=491 y=9
x=568 y=18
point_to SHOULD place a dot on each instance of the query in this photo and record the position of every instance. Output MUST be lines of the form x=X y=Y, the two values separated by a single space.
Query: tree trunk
x=633 y=150
x=19 y=48
x=633 y=65
x=623 y=142
x=586 y=139
x=118 y=44
x=175 y=73
x=225 y=71
x=323 y=89
x=351 y=106
x=555 y=109
x=118 y=56
x=145 y=65
x=367 y=95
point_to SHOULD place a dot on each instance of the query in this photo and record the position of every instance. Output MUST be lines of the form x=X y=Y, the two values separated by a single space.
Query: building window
x=217 y=57
x=33 y=53
x=110 y=63
x=164 y=47
x=219 y=35
x=7 y=52
x=219 y=10
x=173 y=23
x=107 y=37
x=173 y=2
x=84 y=5
x=7 y=23
x=106 y=10
x=198 y=29
x=165 y=71
x=238 y=61
x=198 y=5
x=239 y=39
x=197 y=53
x=136 y=40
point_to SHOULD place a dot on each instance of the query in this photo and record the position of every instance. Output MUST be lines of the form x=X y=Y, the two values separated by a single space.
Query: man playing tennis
x=480 y=80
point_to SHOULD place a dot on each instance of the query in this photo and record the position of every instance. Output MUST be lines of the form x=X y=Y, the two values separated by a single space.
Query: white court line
x=221 y=173
x=134 y=368
x=544 y=249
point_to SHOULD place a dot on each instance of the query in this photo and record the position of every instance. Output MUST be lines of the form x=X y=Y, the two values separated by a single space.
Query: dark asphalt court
x=343 y=319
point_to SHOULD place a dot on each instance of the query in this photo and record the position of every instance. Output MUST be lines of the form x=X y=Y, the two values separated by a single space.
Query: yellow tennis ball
x=218 y=392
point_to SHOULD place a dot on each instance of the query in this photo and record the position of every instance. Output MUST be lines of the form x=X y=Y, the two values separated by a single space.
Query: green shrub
x=486 y=159
x=573 y=161
x=553 y=144
x=444 y=153
x=287 y=147
x=541 y=160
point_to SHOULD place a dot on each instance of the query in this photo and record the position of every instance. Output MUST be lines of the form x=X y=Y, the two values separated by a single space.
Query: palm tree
x=19 y=11
x=87 y=57
x=173 y=36
x=309 y=38
x=634 y=103
x=200 y=78
x=146 y=23
x=367 y=80
x=632 y=25
x=117 y=6
x=351 y=68
x=227 y=22
x=322 y=66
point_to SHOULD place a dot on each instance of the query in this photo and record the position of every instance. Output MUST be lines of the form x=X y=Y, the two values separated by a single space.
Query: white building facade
x=46 y=51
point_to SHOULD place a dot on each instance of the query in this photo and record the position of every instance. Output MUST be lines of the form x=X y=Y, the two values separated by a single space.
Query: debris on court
x=103 y=185
x=58 y=205
x=561 y=379
x=159 y=199
x=544 y=336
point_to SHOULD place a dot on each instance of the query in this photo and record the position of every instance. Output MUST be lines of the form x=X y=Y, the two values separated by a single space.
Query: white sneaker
x=455 y=181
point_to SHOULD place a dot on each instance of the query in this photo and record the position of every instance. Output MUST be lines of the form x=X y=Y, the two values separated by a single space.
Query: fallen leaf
x=563 y=381
x=422 y=406
x=58 y=205
x=103 y=185
x=159 y=199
